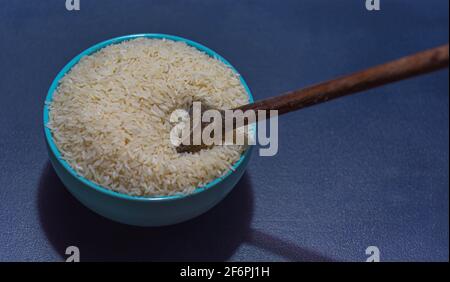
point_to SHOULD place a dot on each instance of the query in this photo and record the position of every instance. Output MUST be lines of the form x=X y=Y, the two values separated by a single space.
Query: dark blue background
x=371 y=169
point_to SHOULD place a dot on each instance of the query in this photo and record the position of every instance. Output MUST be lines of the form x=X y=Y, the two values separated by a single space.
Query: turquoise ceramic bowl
x=142 y=211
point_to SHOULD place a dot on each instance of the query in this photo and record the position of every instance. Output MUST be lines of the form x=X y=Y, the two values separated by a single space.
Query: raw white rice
x=110 y=116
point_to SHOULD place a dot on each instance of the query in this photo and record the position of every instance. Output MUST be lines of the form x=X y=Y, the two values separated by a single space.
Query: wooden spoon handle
x=406 y=67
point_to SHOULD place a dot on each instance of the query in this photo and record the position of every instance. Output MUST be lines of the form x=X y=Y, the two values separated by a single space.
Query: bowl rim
x=116 y=40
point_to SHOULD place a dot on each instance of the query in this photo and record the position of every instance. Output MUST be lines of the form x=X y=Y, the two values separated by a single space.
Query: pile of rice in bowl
x=109 y=116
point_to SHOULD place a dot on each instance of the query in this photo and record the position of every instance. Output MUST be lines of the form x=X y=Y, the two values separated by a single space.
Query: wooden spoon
x=406 y=67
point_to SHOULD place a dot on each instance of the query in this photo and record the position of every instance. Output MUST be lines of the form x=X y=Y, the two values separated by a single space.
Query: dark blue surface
x=372 y=169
